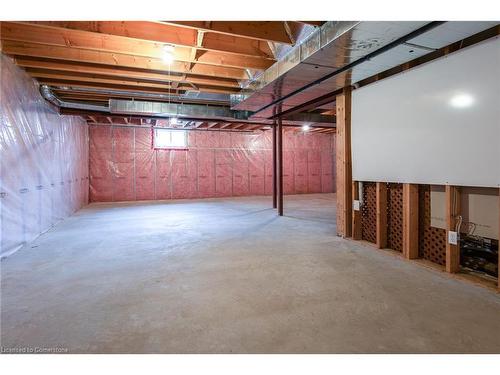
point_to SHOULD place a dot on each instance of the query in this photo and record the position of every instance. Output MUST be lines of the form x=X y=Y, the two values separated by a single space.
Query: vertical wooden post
x=279 y=151
x=410 y=221
x=356 y=214
x=343 y=163
x=452 y=210
x=275 y=179
x=381 y=215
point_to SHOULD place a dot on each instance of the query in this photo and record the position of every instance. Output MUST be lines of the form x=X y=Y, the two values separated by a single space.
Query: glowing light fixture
x=305 y=128
x=174 y=121
x=461 y=101
x=168 y=54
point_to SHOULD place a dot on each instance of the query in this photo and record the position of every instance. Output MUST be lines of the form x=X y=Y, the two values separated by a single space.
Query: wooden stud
x=381 y=215
x=343 y=162
x=452 y=211
x=410 y=221
x=356 y=214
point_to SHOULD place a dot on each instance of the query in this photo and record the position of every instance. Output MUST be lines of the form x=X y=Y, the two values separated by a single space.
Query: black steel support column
x=275 y=179
x=279 y=151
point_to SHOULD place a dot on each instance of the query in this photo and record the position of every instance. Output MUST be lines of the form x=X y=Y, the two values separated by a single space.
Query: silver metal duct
x=163 y=109
x=191 y=96
x=207 y=112
x=201 y=112
x=49 y=95
x=337 y=45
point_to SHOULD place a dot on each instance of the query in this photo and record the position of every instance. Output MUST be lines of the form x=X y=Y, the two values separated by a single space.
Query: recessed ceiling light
x=305 y=128
x=461 y=101
x=168 y=54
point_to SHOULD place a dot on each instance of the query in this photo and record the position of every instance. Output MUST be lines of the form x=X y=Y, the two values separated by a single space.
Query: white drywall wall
x=438 y=123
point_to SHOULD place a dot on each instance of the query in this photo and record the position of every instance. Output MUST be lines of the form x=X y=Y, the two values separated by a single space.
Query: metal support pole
x=279 y=150
x=275 y=180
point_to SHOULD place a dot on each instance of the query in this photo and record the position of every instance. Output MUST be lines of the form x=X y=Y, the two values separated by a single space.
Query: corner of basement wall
x=44 y=161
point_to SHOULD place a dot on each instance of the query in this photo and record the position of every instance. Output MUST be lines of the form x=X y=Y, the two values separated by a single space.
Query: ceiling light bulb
x=173 y=121
x=305 y=128
x=461 y=101
x=168 y=54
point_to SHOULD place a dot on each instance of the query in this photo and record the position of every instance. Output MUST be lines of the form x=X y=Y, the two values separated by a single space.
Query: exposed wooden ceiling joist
x=168 y=34
x=209 y=56
x=56 y=36
x=118 y=60
x=273 y=31
x=80 y=71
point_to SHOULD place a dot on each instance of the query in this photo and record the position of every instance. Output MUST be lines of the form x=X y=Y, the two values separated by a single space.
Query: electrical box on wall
x=452 y=237
x=356 y=205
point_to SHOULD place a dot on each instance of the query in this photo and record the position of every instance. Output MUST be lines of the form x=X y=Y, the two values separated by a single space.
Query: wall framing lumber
x=452 y=211
x=344 y=163
x=381 y=215
x=410 y=221
x=356 y=214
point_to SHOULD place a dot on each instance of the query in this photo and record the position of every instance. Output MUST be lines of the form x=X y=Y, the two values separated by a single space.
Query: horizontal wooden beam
x=273 y=31
x=14 y=48
x=312 y=23
x=57 y=69
x=168 y=34
x=57 y=36
x=44 y=77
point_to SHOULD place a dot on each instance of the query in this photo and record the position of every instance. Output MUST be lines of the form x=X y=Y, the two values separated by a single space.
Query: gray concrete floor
x=229 y=276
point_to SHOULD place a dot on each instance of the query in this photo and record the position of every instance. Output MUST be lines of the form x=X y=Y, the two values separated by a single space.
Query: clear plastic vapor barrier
x=44 y=161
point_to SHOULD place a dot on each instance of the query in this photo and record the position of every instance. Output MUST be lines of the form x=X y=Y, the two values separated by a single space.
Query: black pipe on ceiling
x=395 y=43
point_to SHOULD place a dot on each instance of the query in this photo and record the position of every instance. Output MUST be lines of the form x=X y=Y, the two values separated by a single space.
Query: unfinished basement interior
x=250 y=186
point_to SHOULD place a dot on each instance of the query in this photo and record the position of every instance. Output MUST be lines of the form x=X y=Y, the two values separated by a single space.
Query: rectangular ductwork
x=342 y=52
x=205 y=112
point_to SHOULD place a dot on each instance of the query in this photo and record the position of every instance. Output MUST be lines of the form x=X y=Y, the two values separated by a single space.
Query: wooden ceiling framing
x=209 y=56
x=104 y=119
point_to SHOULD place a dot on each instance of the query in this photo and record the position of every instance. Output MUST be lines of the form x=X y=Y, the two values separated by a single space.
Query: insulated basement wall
x=125 y=167
x=44 y=161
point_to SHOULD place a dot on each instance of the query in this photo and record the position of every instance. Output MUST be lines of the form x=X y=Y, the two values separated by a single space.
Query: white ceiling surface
x=404 y=128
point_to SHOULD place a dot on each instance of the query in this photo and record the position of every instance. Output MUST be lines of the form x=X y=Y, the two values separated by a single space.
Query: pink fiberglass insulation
x=44 y=161
x=124 y=166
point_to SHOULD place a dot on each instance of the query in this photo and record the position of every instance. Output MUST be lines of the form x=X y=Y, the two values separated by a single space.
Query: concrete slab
x=229 y=276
